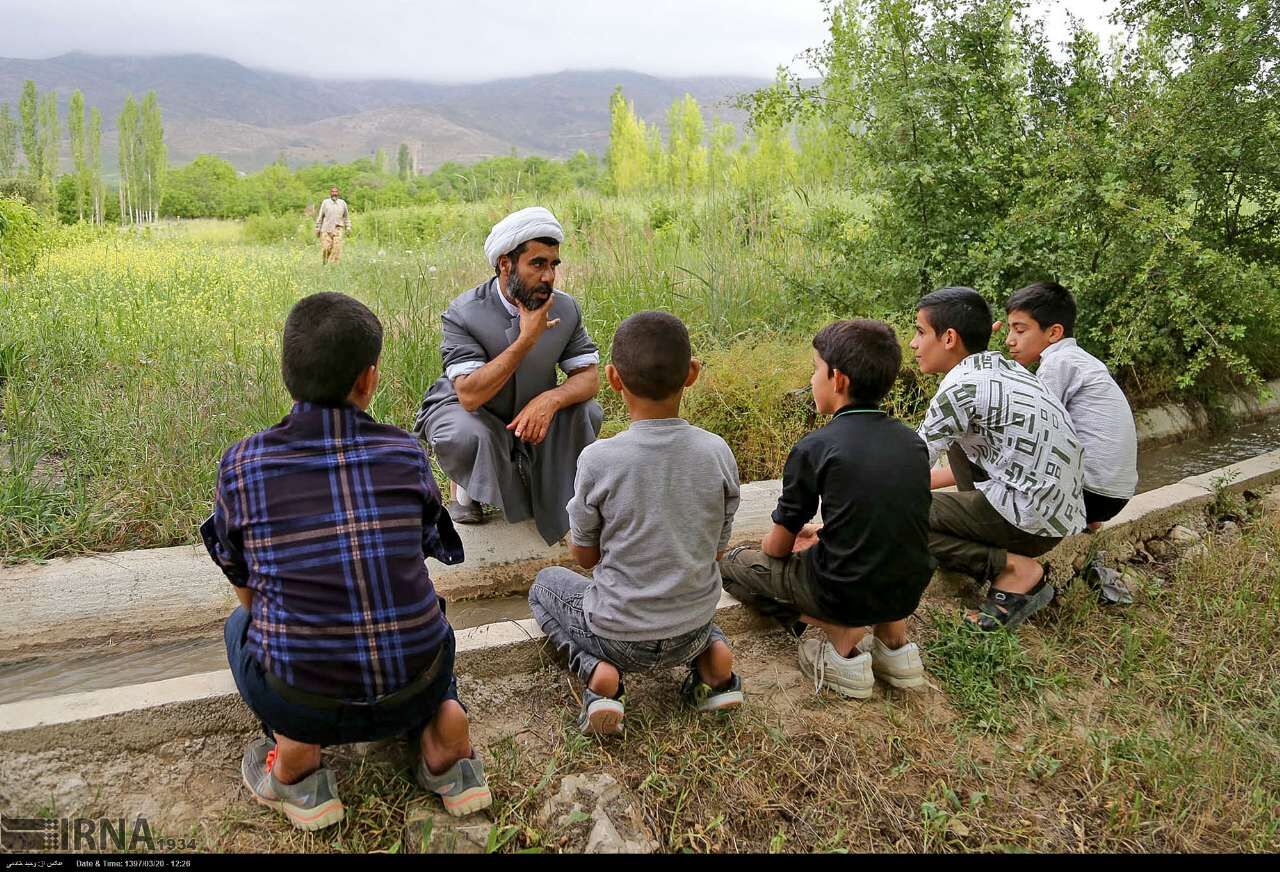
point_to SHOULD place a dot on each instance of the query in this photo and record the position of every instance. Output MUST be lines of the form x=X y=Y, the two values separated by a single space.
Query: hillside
x=248 y=116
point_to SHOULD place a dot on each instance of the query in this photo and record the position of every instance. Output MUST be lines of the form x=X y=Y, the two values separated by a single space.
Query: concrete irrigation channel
x=109 y=611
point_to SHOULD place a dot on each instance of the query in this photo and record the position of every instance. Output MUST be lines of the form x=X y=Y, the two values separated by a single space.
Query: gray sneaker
x=601 y=715
x=311 y=804
x=461 y=787
x=705 y=698
x=472 y=513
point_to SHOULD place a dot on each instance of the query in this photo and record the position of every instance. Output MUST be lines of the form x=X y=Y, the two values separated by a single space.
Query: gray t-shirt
x=658 y=500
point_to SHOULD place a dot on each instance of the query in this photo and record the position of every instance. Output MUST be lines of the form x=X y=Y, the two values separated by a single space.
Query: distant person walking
x=332 y=221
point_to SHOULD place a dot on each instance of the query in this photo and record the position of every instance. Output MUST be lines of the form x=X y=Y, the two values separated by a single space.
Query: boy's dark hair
x=651 y=353
x=329 y=339
x=1048 y=303
x=866 y=351
x=515 y=253
x=960 y=309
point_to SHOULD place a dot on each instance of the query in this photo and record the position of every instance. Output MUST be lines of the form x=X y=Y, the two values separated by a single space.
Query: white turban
x=518 y=228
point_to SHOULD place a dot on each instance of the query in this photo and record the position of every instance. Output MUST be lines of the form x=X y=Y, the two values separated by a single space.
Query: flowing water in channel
x=53 y=675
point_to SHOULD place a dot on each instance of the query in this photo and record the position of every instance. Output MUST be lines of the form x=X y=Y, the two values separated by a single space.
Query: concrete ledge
x=197 y=701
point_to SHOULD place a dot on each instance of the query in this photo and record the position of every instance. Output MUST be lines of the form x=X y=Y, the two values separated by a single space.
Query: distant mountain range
x=213 y=105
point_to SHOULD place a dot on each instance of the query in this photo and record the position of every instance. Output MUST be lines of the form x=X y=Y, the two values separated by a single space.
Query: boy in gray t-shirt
x=651 y=515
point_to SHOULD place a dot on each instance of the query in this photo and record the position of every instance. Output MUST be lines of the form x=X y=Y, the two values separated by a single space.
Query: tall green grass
x=129 y=361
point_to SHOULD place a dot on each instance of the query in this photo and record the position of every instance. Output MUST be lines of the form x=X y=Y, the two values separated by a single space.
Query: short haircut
x=960 y=309
x=866 y=351
x=651 y=353
x=515 y=253
x=1048 y=303
x=329 y=340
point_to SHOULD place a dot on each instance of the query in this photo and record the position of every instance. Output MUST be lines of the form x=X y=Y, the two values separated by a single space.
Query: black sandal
x=1003 y=608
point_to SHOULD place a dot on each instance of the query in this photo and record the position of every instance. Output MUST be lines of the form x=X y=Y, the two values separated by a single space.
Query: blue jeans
x=556 y=602
x=344 y=723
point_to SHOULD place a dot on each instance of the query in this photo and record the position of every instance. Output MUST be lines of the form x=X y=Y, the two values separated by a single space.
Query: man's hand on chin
x=534 y=420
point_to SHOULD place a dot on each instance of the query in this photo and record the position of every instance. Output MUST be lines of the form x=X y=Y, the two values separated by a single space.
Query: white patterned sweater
x=1009 y=425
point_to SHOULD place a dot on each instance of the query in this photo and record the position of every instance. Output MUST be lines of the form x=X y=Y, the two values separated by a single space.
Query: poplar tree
x=628 y=154
x=154 y=155
x=28 y=110
x=75 y=129
x=93 y=148
x=127 y=124
x=686 y=155
x=404 y=161
x=719 y=157
x=380 y=161
x=8 y=143
x=50 y=139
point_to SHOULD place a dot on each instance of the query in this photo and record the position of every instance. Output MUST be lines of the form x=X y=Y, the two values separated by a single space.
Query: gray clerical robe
x=475 y=449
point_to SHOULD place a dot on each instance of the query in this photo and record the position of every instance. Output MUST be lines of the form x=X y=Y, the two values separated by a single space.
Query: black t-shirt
x=871 y=472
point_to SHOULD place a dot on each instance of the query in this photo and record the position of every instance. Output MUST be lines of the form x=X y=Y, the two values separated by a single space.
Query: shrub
x=267 y=229
x=23 y=236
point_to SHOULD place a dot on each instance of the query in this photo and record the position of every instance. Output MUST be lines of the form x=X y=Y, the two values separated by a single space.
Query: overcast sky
x=447 y=40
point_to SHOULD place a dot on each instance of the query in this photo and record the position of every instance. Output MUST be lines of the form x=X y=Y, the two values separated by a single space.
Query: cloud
x=443 y=41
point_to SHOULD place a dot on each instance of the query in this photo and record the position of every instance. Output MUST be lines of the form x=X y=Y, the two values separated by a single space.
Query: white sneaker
x=900 y=667
x=849 y=677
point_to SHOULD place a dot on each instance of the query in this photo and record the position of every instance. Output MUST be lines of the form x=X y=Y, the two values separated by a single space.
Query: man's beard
x=529 y=298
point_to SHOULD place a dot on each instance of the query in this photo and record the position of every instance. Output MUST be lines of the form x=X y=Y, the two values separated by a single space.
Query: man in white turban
x=500 y=426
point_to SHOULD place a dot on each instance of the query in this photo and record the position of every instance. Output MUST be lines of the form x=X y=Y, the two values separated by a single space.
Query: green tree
x=404 y=162
x=131 y=167
x=75 y=130
x=686 y=153
x=29 y=112
x=93 y=163
x=154 y=157
x=380 y=161
x=50 y=139
x=8 y=143
x=208 y=187
x=1144 y=176
x=628 y=157
x=720 y=139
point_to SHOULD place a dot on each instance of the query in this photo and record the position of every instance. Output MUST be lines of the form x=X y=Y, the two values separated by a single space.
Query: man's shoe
x=900 y=667
x=705 y=698
x=601 y=715
x=472 y=513
x=311 y=804
x=462 y=787
x=848 y=676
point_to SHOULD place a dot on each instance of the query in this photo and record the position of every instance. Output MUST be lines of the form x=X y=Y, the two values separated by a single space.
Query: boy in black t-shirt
x=868 y=563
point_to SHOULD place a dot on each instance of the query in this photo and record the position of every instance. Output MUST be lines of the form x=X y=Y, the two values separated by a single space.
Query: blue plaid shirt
x=327 y=517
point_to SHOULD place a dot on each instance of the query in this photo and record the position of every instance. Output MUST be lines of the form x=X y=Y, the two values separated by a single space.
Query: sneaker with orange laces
x=310 y=804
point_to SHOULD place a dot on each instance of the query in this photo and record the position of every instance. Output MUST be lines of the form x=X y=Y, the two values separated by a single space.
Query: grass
x=1151 y=728
x=130 y=360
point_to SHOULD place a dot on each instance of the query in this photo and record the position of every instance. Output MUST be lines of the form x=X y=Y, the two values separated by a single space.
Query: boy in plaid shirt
x=323 y=523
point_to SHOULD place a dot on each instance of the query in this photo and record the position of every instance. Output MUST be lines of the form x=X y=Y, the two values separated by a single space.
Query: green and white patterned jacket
x=1010 y=425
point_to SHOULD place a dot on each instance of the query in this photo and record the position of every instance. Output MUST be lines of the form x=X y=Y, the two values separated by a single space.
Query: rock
x=596 y=816
x=1181 y=535
x=1197 y=550
x=1159 y=549
x=431 y=830
x=1230 y=530
x=1123 y=552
